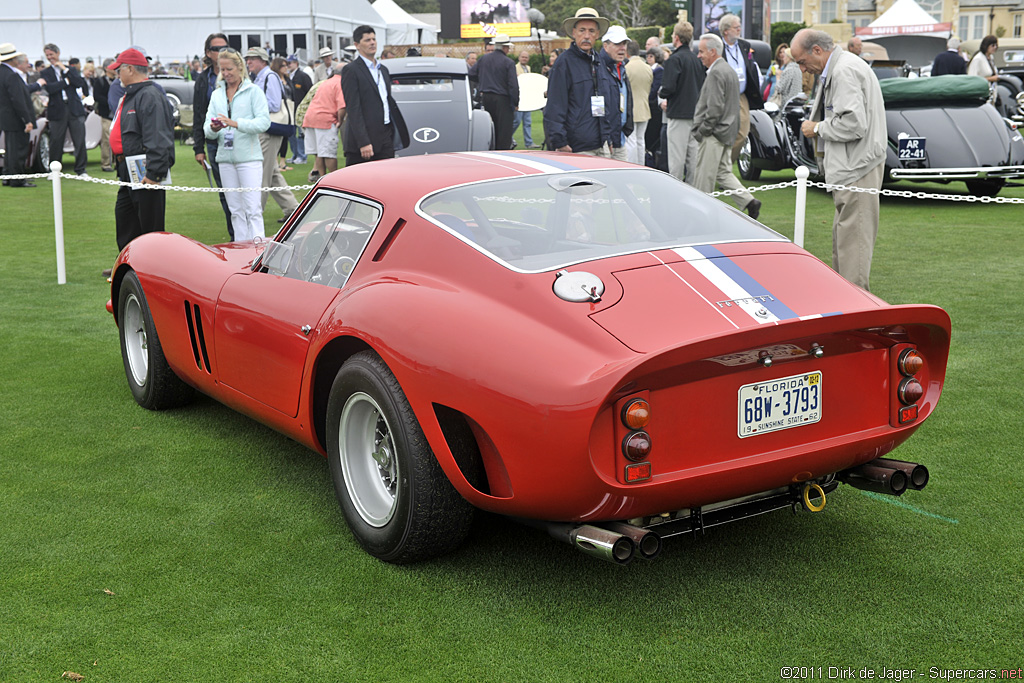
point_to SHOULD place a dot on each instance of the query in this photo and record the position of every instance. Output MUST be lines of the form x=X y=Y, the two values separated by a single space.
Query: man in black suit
x=16 y=113
x=65 y=111
x=372 y=113
x=740 y=58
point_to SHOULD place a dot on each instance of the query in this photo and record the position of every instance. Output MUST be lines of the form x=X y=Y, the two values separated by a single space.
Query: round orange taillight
x=910 y=391
x=636 y=414
x=637 y=446
x=910 y=362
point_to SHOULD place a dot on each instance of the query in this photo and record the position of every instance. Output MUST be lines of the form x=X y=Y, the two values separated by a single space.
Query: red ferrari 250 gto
x=588 y=346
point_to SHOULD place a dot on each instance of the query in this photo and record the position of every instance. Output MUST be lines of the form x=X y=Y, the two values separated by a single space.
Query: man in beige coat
x=640 y=77
x=716 y=122
x=849 y=119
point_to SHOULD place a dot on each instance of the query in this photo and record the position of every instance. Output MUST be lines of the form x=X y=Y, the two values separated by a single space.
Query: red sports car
x=585 y=345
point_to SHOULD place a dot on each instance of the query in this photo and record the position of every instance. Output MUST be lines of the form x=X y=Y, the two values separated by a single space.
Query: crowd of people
x=248 y=110
x=682 y=110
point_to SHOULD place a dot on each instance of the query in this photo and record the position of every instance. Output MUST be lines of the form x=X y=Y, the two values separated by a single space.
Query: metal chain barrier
x=801 y=183
x=140 y=186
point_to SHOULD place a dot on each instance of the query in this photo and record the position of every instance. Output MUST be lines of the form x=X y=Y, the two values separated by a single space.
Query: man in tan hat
x=17 y=117
x=580 y=91
x=495 y=74
x=323 y=70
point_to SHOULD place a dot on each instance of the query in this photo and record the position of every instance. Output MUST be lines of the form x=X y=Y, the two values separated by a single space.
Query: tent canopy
x=905 y=18
x=403 y=28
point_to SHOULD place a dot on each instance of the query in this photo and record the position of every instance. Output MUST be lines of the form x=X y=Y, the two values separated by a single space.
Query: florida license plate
x=782 y=403
x=911 y=149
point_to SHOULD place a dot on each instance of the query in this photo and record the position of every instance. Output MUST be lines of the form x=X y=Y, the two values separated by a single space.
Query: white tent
x=403 y=28
x=176 y=31
x=904 y=18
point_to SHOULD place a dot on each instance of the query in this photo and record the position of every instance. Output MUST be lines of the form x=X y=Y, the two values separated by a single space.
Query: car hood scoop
x=706 y=293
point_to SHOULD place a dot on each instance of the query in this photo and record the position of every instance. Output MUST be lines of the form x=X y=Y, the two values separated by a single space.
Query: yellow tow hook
x=810 y=488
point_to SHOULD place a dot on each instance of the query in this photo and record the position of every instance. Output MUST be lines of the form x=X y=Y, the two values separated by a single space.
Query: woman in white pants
x=237 y=114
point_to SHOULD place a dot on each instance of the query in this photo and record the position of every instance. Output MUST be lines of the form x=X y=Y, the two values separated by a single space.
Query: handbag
x=282 y=121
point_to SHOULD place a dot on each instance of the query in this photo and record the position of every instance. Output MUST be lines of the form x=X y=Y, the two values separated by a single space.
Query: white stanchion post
x=802 y=172
x=58 y=221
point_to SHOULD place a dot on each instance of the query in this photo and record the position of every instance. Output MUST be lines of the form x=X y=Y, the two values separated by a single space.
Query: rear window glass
x=400 y=84
x=540 y=222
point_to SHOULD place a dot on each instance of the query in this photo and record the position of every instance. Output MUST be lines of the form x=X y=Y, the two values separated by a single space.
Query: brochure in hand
x=137 y=169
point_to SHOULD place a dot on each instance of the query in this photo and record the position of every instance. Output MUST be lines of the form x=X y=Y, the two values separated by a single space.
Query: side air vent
x=194 y=318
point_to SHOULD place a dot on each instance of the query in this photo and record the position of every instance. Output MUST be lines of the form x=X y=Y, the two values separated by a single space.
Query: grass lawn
x=197 y=545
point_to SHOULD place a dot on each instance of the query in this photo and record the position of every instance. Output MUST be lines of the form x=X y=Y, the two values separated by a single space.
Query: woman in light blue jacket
x=237 y=115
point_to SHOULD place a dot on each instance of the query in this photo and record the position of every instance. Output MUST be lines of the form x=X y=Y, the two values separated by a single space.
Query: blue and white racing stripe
x=544 y=166
x=742 y=290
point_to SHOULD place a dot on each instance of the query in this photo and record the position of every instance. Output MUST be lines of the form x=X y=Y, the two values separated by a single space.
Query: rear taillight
x=910 y=391
x=637 y=446
x=634 y=438
x=908 y=369
x=636 y=413
x=909 y=362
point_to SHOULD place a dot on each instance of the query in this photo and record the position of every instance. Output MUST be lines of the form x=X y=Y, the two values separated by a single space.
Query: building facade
x=971 y=19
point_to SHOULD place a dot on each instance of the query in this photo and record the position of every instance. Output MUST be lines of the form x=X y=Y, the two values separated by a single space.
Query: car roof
x=410 y=178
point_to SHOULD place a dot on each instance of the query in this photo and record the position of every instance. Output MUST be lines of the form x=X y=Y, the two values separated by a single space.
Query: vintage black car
x=436 y=99
x=940 y=129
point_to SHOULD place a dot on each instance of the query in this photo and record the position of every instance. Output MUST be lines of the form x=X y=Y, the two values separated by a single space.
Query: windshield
x=540 y=222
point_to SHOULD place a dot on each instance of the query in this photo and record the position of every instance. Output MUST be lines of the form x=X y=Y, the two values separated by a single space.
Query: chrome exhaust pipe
x=917 y=475
x=872 y=477
x=648 y=543
x=600 y=543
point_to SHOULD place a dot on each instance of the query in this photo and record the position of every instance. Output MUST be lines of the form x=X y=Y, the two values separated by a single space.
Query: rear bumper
x=966 y=173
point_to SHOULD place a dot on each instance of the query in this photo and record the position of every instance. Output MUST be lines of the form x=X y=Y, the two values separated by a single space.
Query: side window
x=326 y=243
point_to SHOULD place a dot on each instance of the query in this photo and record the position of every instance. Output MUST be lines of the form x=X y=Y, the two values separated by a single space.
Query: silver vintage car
x=436 y=99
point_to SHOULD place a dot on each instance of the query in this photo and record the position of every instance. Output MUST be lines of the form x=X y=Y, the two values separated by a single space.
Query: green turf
x=228 y=558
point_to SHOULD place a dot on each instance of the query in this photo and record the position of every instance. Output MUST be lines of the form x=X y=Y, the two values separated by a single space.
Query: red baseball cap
x=129 y=56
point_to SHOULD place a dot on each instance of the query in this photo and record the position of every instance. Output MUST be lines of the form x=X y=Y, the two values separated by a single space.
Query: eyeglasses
x=224 y=48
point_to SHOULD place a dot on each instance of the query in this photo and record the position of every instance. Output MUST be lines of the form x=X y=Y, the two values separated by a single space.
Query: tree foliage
x=783 y=32
x=627 y=13
x=419 y=6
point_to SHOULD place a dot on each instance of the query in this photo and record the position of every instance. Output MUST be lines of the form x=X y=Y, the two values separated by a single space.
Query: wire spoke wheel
x=136 y=346
x=395 y=497
x=368 y=459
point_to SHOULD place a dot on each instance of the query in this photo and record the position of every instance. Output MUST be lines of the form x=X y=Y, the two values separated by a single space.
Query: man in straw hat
x=496 y=75
x=17 y=117
x=581 y=91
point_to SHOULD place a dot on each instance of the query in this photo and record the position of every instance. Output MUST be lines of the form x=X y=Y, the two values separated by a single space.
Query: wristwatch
x=816 y=127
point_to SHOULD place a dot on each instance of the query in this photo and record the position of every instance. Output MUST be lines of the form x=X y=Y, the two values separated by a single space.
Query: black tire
x=985 y=188
x=152 y=381
x=746 y=164
x=41 y=163
x=394 y=495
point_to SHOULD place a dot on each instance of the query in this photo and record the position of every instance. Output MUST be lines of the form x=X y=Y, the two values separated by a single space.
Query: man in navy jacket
x=580 y=91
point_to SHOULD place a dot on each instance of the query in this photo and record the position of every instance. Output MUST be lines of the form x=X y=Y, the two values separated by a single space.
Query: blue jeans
x=526 y=117
x=298 y=145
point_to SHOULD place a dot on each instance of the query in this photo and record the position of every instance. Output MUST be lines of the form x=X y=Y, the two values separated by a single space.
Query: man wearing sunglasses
x=206 y=150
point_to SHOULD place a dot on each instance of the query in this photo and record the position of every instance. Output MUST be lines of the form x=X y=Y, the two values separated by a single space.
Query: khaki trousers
x=855 y=228
x=271 y=144
x=714 y=164
x=682 y=149
x=744 y=127
x=106 y=156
